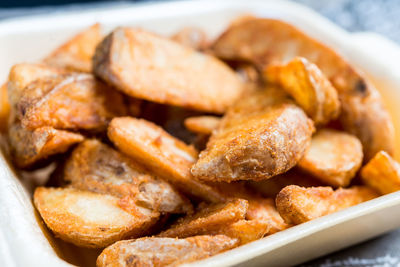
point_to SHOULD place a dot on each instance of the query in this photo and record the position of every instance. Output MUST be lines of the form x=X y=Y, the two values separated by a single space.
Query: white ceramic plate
x=25 y=242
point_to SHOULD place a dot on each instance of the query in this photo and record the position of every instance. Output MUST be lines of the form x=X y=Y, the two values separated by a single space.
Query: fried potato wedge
x=299 y=204
x=311 y=90
x=192 y=37
x=76 y=54
x=4 y=107
x=255 y=139
x=382 y=173
x=158 y=251
x=71 y=101
x=266 y=42
x=88 y=219
x=28 y=147
x=209 y=219
x=271 y=187
x=202 y=124
x=334 y=157
x=158 y=151
x=98 y=168
x=150 y=67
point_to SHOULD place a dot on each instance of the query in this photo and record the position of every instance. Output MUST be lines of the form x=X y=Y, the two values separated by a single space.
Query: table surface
x=381 y=16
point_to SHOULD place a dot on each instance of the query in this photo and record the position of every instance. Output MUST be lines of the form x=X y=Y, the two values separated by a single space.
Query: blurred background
x=380 y=16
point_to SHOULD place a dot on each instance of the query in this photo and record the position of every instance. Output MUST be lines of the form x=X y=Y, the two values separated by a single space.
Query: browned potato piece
x=334 y=157
x=70 y=101
x=98 y=168
x=159 y=252
x=382 y=173
x=308 y=86
x=4 y=107
x=272 y=186
x=88 y=219
x=268 y=41
x=209 y=219
x=167 y=156
x=299 y=204
x=76 y=54
x=202 y=124
x=147 y=66
x=27 y=147
x=262 y=135
x=191 y=37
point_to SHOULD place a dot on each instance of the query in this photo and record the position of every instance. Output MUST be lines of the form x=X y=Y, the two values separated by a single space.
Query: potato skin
x=76 y=54
x=382 y=173
x=267 y=41
x=299 y=204
x=158 y=252
x=79 y=217
x=96 y=167
x=261 y=136
x=334 y=157
x=163 y=71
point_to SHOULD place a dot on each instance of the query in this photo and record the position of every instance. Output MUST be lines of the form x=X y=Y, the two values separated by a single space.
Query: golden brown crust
x=76 y=54
x=88 y=219
x=268 y=41
x=28 y=147
x=96 y=167
x=4 y=107
x=192 y=37
x=382 y=173
x=299 y=204
x=311 y=90
x=334 y=157
x=158 y=252
x=146 y=66
x=167 y=156
x=202 y=124
x=70 y=101
x=209 y=219
x=262 y=135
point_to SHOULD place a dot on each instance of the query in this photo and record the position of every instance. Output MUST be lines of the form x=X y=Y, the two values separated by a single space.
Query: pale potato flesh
x=202 y=124
x=262 y=135
x=382 y=173
x=96 y=167
x=267 y=42
x=192 y=37
x=311 y=90
x=157 y=150
x=150 y=67
x=71 y=101
x=209 y=219
x=299 y=204
x=334 y=157
x=88 y=219
x=162 y=251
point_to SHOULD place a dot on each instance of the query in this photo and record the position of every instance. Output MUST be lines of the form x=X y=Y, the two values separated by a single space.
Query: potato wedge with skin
x=4 y=107
x=311 y=90
x=333 y=157
x=158 y=151
x=150 y=67
x=192 y=37
x=262 y=135
x=96 y=167
x=76 y=54
x=71 y=101
x=202 y=124
x=28 y=147
x=88 y=219
x=266 y=42
x=209 y=219
x=299 y=204
x=158 y=252
x=382 y=173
